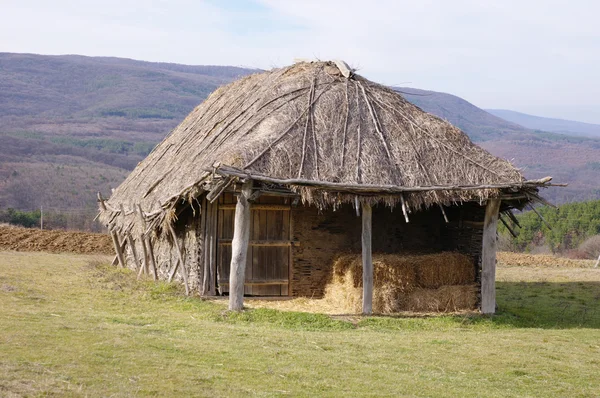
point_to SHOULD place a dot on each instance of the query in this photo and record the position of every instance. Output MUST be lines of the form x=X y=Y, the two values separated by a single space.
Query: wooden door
x=269 y=249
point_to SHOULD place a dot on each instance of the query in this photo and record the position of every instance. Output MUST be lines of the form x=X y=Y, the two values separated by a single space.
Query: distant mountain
x=71 y=126
x=73 y=94
x=569 y=159
x=548 y=124
x=479 y=124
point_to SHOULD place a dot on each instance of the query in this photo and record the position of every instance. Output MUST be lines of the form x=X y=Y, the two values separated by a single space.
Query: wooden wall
x=324 y=235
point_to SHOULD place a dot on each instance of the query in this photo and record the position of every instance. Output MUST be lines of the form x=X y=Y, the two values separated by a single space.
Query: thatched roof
x=323 y=132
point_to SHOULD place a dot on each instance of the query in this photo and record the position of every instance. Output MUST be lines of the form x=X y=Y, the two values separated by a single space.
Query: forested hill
x=71 y=126
x=573 y=225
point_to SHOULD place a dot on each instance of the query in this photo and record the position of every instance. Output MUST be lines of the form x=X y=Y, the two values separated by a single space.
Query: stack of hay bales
x=442 y=282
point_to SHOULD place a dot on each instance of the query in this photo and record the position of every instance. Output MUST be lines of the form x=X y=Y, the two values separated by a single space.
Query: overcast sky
x=539 y=57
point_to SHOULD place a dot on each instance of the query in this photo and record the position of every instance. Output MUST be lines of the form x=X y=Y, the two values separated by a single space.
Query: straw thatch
x=320 y=131
x=438 y=282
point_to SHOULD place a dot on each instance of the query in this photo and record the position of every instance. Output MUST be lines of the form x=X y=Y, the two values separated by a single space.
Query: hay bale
x=443 y=299
x=444 y=269
x=392 y=279
x=397 y=277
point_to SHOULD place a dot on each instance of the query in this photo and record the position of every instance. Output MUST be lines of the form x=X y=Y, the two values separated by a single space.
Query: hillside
x=479 y=124
x=570 y=159
x=71 y=126
x=548 y=124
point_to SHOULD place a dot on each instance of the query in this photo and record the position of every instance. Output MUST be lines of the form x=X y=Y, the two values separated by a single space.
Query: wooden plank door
x=268 y=266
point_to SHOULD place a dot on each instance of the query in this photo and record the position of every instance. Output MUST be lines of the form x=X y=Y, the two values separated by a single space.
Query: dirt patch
x=28 y=239
x=508 y=259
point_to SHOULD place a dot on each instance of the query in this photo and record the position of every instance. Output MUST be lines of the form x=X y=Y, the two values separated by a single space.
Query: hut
x=275 y=174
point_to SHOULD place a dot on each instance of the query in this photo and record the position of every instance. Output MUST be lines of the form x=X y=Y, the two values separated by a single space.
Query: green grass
x=71 y=326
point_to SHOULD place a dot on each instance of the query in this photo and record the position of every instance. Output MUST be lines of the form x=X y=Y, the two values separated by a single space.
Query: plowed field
x=29 y=239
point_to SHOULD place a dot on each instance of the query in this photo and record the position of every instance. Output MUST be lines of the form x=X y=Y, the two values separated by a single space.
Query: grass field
x=71 y=326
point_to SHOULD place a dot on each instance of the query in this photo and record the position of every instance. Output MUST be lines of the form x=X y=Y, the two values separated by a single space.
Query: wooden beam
x=512 y=232
x=488 y=257
x=264 y=243
x=540 y=216
x=118 y=250
x=173 y=271
x=214 y=211
x=367 y=260
x=378 y=189
x=144 y=267
x=203 y=288
x=147 y=246
x=404 y=210
x=152 y=258
x=239 y=248
x=113 y=235
x=260 y=282
x=182 y=270
x=513 y=218
x=129 y=239
x=272 y=207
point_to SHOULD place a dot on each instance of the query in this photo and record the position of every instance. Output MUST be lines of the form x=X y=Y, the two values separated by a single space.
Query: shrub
x=590 y=248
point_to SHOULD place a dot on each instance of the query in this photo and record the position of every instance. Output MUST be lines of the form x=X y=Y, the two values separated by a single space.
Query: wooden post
x=152 y=258
x=488 y=257
x=202 y=266
x=210 y=231
x=130 y=240
x=367 y=260
x=183 y=270
x=146 y=245
x=597 y=262
x=113 y=235
x=239 y=248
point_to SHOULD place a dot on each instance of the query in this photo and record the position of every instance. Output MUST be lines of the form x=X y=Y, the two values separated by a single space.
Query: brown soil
x=508 y=259
x=28 y=239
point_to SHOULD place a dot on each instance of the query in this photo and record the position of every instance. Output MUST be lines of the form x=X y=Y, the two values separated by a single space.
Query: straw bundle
x=405 y=283
x=393 y=278
x=437 y=270
x=444 y=299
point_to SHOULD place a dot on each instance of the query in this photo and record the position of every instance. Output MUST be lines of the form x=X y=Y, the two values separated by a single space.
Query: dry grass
x=539 y=260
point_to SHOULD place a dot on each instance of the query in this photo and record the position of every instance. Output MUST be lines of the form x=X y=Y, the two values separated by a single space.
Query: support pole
x=130 y=241
x=488 y=257
x=597 y=262
x=113 y=235
x=239 y=248
x=367 y=260
x=182 y=270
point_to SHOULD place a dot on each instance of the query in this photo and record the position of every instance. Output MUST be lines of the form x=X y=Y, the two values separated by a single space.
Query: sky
x=537 y=57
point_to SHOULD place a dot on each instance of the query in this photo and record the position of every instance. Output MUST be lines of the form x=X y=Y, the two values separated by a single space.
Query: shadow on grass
x=544 y=305
x=548 y=305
